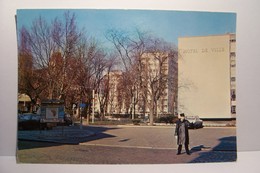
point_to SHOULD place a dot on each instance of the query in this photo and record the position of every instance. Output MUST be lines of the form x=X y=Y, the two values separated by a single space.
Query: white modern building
x=207 y=76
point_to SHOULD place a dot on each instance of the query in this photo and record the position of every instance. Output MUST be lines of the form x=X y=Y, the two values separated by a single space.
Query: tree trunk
x=151 y=110
x=151 y=117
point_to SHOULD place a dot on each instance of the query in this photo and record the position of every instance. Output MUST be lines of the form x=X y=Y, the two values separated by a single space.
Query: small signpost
x=82 y=105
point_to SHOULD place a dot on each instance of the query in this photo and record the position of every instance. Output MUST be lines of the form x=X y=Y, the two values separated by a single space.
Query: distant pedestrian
x=182 y=134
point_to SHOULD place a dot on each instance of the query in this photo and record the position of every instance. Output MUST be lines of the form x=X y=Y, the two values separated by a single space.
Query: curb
x=173 y=125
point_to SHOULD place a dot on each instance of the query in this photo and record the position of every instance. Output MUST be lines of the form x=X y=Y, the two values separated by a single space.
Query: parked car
x=29 y=121
x=195 y=122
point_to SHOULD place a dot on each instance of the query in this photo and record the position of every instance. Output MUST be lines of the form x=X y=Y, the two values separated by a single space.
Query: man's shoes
x=188 y=153
x=178 y=153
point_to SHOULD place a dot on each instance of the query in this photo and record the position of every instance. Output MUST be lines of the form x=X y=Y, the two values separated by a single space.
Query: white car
x=195 y=122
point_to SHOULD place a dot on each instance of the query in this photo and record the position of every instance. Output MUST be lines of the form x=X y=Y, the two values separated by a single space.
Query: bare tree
x=104 y=84
x=31 y=80
x=65 y=63
x=146 y=67
x=130 y=49
x=66 y=37
x=53 y=48
x=156 y=74
x=93 y=65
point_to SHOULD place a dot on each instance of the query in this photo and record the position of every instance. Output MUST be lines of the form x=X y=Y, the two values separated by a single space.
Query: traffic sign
x=82 y=105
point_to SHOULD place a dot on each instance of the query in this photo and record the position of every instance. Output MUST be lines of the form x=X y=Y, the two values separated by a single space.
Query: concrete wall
x=204 y=76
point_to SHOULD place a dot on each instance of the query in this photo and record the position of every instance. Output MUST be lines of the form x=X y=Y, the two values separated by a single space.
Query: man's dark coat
x=182 y=132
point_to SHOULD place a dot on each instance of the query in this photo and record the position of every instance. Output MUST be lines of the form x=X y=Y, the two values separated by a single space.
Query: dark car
x=28 y=121
x=195 y=122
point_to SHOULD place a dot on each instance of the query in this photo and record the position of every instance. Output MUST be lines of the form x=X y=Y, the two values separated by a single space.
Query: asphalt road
x=134 y=145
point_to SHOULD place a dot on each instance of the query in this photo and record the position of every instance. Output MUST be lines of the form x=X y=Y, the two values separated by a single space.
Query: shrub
x=167 y=119
x=136 y=121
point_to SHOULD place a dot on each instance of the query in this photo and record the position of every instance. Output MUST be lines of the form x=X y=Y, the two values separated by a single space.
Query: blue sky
x=168 y=25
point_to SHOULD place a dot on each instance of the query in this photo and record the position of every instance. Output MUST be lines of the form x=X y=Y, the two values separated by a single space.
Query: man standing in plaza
x=182 y=134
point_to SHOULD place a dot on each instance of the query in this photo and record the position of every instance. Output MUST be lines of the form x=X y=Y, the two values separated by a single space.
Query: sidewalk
x=219 y=123
x=205 y=124
x=65 y=135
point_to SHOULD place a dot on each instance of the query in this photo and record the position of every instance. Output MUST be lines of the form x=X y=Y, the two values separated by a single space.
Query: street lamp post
x=80 y=109
x=93 y=106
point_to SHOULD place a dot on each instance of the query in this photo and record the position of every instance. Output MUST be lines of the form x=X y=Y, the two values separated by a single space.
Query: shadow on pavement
x=199 y=148
x=225 y=151
x=71 y=135
x=98 y=133
x=26 y=144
